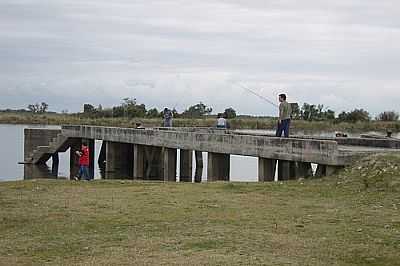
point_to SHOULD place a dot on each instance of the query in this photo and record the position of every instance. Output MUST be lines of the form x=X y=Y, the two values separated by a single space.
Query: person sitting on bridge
x=83 y=155
x=167 y=118
x=221 y=121
x=285 y=111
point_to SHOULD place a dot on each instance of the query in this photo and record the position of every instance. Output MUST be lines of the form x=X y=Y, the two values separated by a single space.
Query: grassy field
x=311 y=222
x=238 y=123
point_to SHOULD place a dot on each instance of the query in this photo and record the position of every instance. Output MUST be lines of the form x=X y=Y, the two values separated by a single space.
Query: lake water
x=243 y=168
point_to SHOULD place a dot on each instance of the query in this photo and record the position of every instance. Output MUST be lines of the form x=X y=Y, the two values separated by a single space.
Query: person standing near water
x=167 y=118
x=285 y=111
x=83 y=155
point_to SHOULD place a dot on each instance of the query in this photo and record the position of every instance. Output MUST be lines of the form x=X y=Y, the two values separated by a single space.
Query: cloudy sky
x=344 y=54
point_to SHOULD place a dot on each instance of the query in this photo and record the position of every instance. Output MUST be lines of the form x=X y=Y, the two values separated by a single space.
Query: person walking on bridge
x=285 y=111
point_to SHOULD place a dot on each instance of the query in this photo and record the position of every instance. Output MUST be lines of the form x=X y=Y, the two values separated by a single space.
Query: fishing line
x=258 y=95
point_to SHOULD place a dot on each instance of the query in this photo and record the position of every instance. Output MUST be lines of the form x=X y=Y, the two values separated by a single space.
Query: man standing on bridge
x=167 y=118
x=285 y=111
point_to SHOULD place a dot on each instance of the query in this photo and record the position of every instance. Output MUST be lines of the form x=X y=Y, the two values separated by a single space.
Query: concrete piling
x=283 y=170
x=169 y=164
x=304 y=170
x=186 y=165
x=91 y=146
x=119 y=158
x=326 y=170
x=199 y=167
x=218 y=167
x=153 y=163
x=138 y=161
x=266 y=169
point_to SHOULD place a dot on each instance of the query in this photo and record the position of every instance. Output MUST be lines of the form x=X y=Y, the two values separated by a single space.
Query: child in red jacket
x=83 y=163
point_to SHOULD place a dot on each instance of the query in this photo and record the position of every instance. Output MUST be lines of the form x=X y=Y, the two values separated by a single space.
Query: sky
x=175 y=53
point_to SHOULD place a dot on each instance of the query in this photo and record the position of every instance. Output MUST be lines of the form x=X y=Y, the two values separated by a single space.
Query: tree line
x=130 y=108
x=313 y=112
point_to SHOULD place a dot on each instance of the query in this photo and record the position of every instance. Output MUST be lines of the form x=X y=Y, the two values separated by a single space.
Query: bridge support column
x=101 y=161
x=199 y=167
x=326 y=170
x=283 y=170
x=55 y=158
x=218 y=167
x=154 y=163
x=138 y=161
x=76 y=145
x=169 y=164
x=303 y=170
x=186 y=165
x=91 y=146
x=266 y=169
x=119 y=158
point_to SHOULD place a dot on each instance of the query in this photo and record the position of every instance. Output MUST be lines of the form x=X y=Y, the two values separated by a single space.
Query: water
x=244 y=169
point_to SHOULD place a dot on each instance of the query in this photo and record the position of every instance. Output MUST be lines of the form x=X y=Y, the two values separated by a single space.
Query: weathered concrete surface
x=303 y=170
x=33 y=138
x=218 y=167
x=91 y=146
x=266 y=169
x=154 y=163
x=169 y=164
x=289 y=149
x=139 y=162
x=284 y=170
x=186 y=165
x=199 y=167
x=119 y=160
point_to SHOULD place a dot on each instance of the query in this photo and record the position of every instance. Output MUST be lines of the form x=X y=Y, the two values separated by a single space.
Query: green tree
x=312 y=112
x=38 y=108
x=230 y=113
x=153 y=113
x=197 y=111
x=354 y=116
x=130 y=108
x=88 y=108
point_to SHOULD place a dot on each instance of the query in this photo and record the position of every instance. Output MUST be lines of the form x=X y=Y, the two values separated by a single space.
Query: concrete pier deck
x=152 y=153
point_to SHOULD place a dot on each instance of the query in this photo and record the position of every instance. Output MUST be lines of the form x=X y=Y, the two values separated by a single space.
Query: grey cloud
x=176 y=52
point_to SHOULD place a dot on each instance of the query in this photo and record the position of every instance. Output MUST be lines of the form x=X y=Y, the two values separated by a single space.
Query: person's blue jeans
x=168 y=123
x=283 y=127
x=84 y=172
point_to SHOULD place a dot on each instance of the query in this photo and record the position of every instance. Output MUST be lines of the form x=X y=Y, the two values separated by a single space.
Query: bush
x=354 y=116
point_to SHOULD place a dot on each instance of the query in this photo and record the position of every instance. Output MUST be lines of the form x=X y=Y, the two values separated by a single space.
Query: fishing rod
x=258 y=95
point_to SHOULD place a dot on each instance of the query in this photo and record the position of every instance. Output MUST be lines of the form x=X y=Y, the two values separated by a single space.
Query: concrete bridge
x=151 y=154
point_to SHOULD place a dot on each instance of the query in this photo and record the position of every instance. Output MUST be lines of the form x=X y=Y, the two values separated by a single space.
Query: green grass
x=312 y=222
